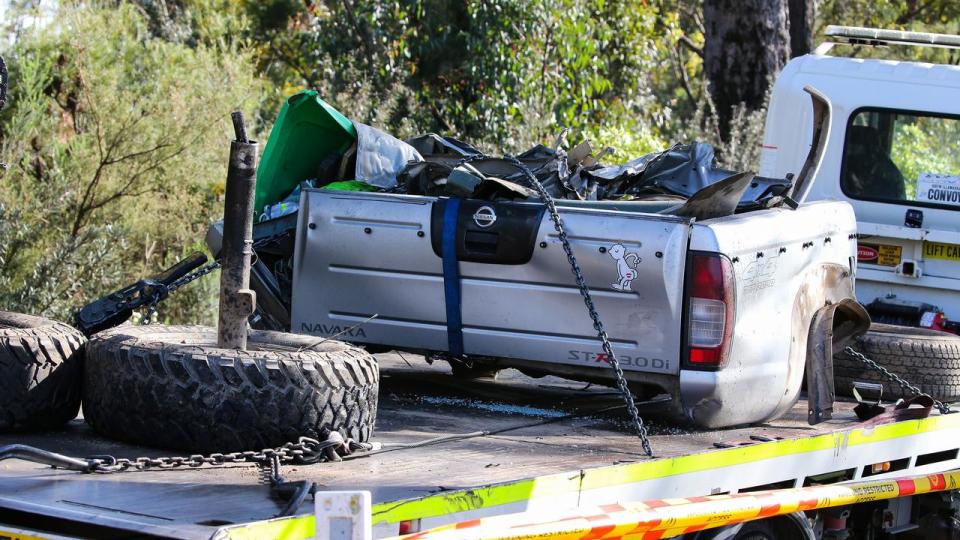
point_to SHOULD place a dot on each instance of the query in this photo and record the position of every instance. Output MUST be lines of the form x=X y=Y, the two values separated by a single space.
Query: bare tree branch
x=134 y=155
x=682 y=70
x=366 y=39
x=915 y=12
x=691 y=46
x=693 y=12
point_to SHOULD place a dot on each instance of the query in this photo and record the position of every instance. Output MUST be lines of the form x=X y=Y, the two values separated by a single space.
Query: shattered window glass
x=902 y=157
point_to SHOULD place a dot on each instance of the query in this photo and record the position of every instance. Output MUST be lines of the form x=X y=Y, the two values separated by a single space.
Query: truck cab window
x=897 y=157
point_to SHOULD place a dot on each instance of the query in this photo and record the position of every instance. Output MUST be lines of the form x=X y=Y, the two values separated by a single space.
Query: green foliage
x=502 y=72
x=626 y=143
x=924 y=144
x=117 y=128
x=113 y=133
x=47 y=280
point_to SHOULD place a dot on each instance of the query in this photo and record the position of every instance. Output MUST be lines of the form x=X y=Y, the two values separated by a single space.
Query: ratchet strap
x=451 y=277
x=910 y=409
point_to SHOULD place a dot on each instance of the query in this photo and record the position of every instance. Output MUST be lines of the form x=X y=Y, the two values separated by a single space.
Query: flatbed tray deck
x=527 y=444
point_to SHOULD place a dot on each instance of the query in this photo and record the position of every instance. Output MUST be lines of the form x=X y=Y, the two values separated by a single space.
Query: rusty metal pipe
x=237 y=300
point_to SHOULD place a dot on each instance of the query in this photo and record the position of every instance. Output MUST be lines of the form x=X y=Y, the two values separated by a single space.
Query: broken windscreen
x=902 y=157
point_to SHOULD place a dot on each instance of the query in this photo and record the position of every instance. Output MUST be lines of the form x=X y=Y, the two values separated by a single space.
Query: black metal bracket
x=294 y=493
x=115 y=308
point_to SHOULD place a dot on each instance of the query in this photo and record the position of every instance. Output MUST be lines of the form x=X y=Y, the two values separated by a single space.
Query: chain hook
x=151 y=312
x=944 y=408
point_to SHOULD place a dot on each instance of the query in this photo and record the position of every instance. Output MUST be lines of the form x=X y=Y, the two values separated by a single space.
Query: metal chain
x=151 y=311
x=588 y=301
x=581 y=284
x=268 y=461
x=269 y=472
x=904 y=384
x=192 y=276
x=631 y=405
x=305 y=451
x=195 y=275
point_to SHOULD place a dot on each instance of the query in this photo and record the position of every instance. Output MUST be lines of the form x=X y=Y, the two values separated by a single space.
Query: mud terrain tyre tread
x=926 y=358
x=40 y=365
x=171 y=387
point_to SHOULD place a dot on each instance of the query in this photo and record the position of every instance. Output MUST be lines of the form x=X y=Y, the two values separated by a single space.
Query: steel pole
x=237 y=301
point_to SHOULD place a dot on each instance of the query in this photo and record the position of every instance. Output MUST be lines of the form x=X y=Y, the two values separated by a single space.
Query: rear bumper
x=708 y=399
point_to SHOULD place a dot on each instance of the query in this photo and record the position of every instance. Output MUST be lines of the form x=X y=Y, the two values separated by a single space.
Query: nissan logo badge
x=484 y=217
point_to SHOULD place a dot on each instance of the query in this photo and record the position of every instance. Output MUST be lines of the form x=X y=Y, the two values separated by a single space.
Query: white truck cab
x=892 y=155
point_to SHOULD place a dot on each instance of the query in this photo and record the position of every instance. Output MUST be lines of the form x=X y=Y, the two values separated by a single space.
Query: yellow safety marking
x=17 y=534
x=670 y=517
x=289 y=528
x=617 y=475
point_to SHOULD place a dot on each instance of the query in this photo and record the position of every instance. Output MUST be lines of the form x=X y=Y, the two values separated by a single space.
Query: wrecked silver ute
x=716 y=302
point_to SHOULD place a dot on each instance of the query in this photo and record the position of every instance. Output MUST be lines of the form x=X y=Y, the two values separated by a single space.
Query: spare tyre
x=40 y=365
x=172 y=387
x=928 y=359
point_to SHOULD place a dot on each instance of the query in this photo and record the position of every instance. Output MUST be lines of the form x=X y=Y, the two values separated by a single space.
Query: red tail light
x=409 y=526
x=710 y=310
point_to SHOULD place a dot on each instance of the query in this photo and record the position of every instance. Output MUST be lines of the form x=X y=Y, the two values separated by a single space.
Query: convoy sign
x=938 y=188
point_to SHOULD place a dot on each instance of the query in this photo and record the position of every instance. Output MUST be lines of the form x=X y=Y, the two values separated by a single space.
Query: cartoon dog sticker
x=626 y=268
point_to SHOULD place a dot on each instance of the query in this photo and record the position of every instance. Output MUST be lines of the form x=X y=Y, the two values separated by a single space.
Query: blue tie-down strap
x=451 y=278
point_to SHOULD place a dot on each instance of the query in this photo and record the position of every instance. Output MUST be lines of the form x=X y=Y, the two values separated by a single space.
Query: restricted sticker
x=939 y=250
x=879 y=254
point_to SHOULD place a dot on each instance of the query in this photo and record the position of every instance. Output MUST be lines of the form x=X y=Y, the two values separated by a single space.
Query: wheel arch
x=825 y=316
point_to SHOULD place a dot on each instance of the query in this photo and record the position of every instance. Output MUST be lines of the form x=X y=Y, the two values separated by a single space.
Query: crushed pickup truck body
x=705 y=282
x=712 y=292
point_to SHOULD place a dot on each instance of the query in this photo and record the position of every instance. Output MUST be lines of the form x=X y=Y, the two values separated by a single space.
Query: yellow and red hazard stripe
x=666 y=518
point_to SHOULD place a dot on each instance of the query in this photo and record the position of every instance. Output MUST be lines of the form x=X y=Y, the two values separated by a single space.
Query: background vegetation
x=115 y=136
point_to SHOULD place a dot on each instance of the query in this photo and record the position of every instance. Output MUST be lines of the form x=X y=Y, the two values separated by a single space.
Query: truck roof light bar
x=879 y=37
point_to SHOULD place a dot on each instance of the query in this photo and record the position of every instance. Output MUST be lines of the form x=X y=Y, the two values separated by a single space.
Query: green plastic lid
x=307 y=131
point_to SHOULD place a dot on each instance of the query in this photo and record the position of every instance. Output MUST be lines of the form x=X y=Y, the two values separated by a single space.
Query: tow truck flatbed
x=526 y=444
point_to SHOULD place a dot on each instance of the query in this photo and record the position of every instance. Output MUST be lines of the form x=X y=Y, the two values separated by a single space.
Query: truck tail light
x=710 y=310
x=409 y=526
x=934 y=320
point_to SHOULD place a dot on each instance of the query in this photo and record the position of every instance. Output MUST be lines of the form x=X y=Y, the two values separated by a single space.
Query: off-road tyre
x=171 y=387
x=40 y=365
x=926 y=358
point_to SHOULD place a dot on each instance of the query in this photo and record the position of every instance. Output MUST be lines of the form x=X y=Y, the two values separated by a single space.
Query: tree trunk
x=746 y=44
x=802 y=15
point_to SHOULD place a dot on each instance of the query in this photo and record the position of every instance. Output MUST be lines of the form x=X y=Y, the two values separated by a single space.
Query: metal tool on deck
x=116 y=307
x=237 y=300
